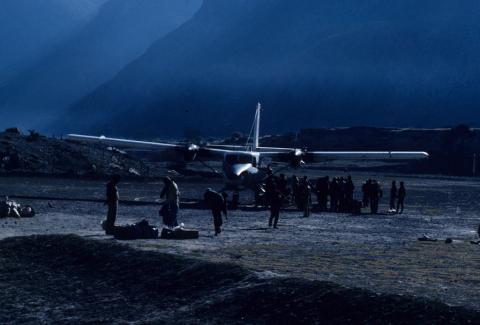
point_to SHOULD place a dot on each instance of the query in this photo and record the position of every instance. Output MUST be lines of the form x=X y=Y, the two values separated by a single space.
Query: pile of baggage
x=139 y=230
x=143 y=230
x=12 y=209
x=179 y=233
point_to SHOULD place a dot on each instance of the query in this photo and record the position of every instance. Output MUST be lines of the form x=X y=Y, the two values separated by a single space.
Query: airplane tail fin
x=256 y=123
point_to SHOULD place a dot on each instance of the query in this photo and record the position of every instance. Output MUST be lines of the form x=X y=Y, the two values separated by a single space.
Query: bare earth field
x=379 y=253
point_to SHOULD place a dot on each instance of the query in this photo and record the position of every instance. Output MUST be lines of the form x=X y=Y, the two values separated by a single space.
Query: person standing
x=350 y=189
x=375 y=195
x=306 y=191
x=111 y=201
x=393 y=195
x=236 y=200
x=401 y=197
x=225 y=200
x=216 y=203
x=297 y=196
x=321 y=189
x=332 y=190
x=282 y=184
x=172 y=200
x=366 y=187
x=276 y=201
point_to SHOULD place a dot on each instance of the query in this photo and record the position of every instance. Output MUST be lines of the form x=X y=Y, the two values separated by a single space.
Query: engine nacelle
x=296 y=158
x=190 y=152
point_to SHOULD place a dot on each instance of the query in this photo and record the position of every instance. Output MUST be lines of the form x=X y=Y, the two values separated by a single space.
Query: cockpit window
x=240 y=159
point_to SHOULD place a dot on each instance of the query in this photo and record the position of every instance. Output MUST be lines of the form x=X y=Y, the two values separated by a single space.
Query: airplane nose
x=237 y=170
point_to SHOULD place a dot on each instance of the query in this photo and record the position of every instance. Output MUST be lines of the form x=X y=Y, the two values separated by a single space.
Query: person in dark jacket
x=235 y=200
x=393 y=195
x=216 y=203
x=334 y=194
x=366 y=187
x=296 y=195
x=306 y=192
x=172 y=201
x=321 y=189
x=112 y=204
x=349 y=190
x=225 y=201
x=375 y=194
x=282 y=184
x=276 y=200
x=401 y=197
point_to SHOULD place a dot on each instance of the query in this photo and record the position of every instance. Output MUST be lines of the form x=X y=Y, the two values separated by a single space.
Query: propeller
x=297 y=157
x=190 y=152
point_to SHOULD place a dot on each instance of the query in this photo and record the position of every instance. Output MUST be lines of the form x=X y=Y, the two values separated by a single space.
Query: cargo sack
x=27 y=212
x=179 y=233
x=139 y=230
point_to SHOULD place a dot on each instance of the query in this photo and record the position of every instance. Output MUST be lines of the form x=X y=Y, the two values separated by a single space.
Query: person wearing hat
x=216 y=202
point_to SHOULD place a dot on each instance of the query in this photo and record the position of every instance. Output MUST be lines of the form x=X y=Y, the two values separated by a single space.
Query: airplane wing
x=297 y=155
x=122 y=143
x=364 y=155
x=134 y=145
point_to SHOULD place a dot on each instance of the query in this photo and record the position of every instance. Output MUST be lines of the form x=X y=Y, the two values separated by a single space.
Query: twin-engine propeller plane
x=242 y=164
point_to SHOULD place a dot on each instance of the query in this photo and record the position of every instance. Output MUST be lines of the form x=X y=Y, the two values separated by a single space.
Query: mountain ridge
x=121 y=31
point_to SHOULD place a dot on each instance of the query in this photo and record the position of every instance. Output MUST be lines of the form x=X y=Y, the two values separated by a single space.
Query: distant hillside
x=31 y=28
x=312 y=63
x=120 y=32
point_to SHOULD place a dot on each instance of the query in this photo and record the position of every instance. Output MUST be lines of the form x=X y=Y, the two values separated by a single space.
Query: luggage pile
x=12 y=209
x=143 y=230
x=139 y=230
x=179 y=233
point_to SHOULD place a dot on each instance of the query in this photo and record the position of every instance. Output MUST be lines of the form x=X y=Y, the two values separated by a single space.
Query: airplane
x=242 y=164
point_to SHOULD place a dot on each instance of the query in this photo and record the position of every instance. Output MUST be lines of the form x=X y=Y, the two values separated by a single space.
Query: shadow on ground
x=66 y=278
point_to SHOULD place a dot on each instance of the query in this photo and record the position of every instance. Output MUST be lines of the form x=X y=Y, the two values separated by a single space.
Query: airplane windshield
x=239 y=159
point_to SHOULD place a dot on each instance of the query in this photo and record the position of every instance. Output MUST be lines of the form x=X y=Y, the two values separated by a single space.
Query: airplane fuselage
x=241 y=170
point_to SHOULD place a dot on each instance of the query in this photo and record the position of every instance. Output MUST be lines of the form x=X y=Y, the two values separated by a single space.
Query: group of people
x=372 y=193
x=170 y=193
x=335 y=195
x=339 y=192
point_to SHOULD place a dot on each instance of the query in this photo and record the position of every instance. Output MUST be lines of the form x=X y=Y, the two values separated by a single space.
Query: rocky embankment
x=40 y=155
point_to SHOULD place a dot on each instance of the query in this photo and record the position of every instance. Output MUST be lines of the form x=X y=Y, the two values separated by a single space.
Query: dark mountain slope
x=312 y=63
x=30 y=28
x=121 y=32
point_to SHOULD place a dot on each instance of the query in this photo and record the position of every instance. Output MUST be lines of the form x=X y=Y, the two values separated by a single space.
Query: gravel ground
x=379 y=253
x=67 y=279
